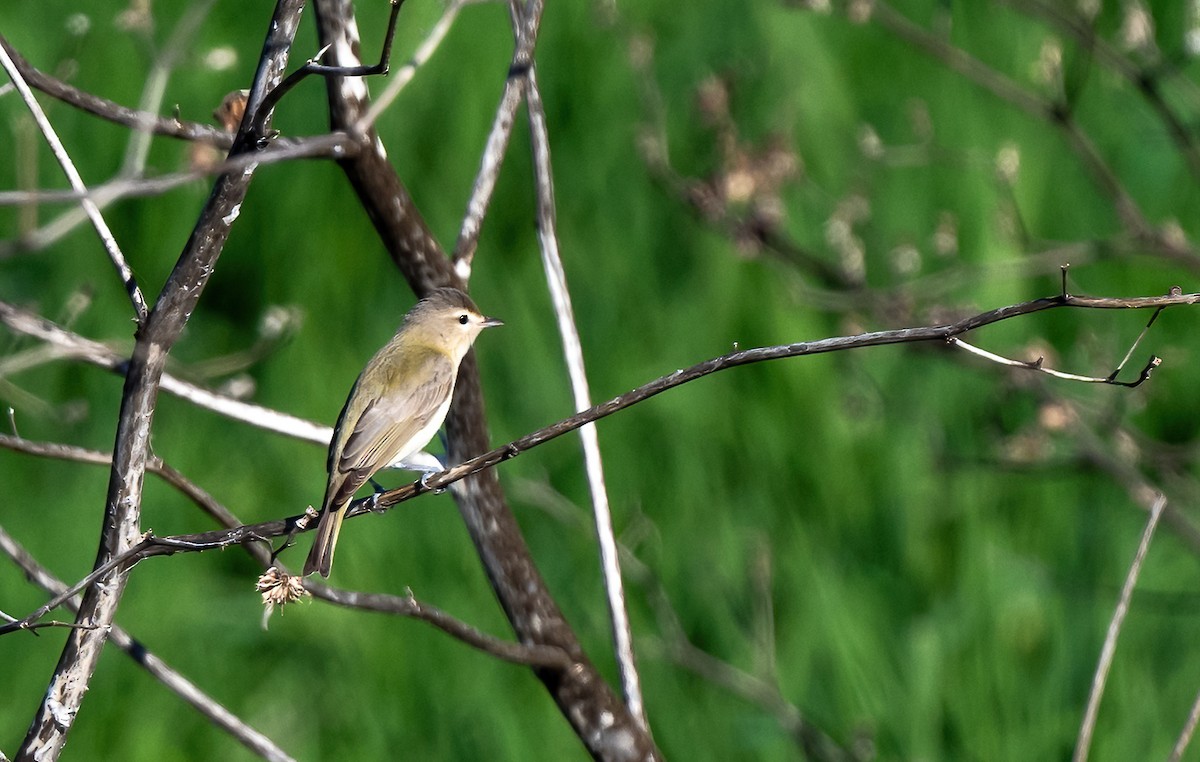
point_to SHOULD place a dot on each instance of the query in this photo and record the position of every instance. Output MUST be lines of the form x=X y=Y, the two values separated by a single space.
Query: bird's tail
x=320 y=558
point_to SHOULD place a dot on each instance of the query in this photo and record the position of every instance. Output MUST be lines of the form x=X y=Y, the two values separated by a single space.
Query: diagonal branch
x=530 y=655
x=252 y=739
x=496 y=147
x=400 y=78
x=556 y=280
x=1088 y=727
x=1057 y=114
x=114 y=112
x=1146 y=80
x=406 y=606
x=150 y=545
x=77 y=184
x=69 y=345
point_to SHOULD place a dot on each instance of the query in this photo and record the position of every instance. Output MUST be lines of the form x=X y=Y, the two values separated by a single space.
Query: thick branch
x=585 y=699
x=121 y=527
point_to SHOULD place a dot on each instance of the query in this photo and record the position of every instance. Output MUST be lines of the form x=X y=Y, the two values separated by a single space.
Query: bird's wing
x=387 y=425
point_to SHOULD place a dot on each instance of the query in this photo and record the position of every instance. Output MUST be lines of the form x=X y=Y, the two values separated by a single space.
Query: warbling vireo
x=396 y=406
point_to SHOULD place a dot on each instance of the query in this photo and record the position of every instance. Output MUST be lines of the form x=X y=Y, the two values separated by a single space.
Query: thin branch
x=209 y=707
x=123 y=560
x=73 y=346
x=314 y=66
x=496 y=147
x=68 y=167
x=151 y=545
x=1038 y=366
x=556 y=281
x=400 y=78
x=335 y=145
x=114 y=112
x=1088 y=727
x=1185 y=735
x=531 y=655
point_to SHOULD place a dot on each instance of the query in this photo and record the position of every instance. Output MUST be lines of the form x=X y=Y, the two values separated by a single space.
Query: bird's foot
x=425 y=483
x=373 y=501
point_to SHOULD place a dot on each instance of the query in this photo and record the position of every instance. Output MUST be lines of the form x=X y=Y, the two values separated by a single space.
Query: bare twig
x=1088 y=727
x=314 y=66
x=556 y=281
x=1189 y=729
x=496 y=147
x=173 y=680
x=407 y=606
x=115 y=112
x=335 y=145
x=151 y=545
x=70 y=345
x=532 y=655
x=399 y=79
x=68 y=167
x=1037 y=365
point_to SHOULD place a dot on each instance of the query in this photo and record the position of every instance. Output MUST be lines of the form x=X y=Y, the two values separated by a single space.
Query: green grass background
x=926 y=598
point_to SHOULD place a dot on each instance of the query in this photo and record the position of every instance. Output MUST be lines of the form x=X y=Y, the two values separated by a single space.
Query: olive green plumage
x=396 y=406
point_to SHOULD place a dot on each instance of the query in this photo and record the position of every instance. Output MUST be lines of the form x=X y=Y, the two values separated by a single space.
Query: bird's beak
x=489 y=322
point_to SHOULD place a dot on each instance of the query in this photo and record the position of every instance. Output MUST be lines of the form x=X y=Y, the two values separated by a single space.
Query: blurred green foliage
x=944 y=541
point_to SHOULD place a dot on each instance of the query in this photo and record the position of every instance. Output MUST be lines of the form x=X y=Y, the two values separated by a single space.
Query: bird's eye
x=463 y=319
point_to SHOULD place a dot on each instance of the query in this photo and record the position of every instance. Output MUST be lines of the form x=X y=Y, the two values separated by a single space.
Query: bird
x=396 y=406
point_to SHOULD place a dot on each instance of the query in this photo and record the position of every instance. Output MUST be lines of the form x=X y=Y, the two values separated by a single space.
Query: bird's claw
x=373 y=502
x=425 y=483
